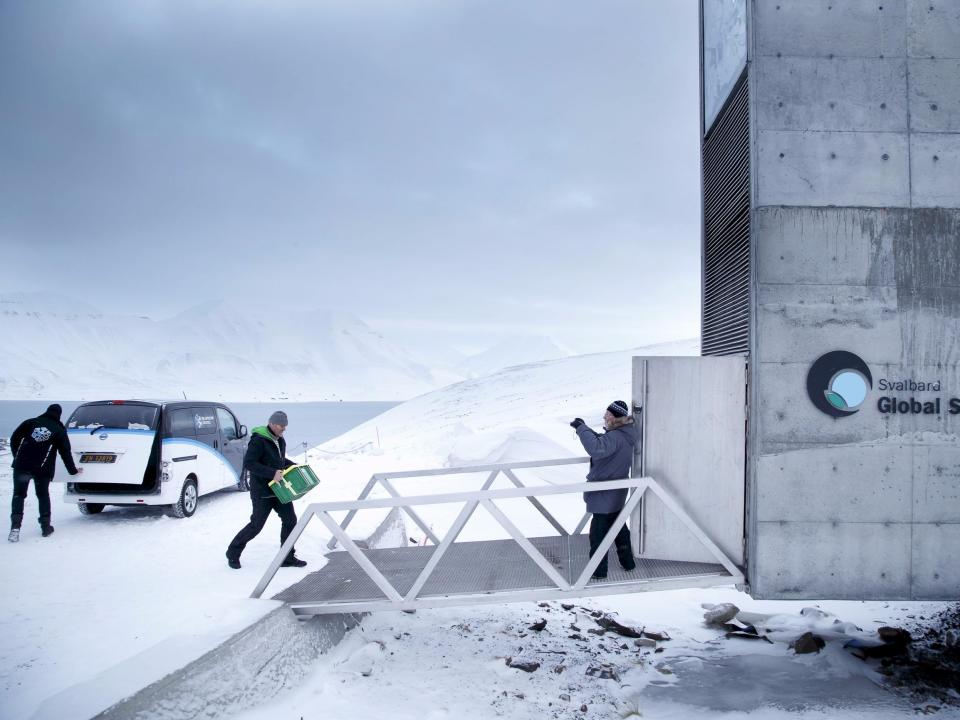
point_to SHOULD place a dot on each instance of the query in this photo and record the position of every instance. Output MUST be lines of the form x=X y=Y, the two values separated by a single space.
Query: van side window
x=181 y=423
x=228 y=424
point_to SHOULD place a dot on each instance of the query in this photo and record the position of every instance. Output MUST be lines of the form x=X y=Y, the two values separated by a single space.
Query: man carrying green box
x=266 y=460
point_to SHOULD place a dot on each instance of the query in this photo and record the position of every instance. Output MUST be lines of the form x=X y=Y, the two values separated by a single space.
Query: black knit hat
x=618 y=408
x=54 y=411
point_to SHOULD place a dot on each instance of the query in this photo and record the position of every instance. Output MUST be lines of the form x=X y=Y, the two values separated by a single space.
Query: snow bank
x=113 y=602
x=528 y=404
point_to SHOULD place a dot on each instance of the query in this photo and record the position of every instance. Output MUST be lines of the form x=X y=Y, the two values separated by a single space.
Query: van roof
x=166 y=404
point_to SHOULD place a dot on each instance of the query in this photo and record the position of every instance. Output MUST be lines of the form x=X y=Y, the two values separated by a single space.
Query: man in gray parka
x=611 y=455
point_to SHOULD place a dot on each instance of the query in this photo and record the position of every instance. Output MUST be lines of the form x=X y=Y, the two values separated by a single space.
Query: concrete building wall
x=855 y=113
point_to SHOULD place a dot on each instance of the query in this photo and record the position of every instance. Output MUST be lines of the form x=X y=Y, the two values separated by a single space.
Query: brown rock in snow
x=808 y=643
x=525 y=665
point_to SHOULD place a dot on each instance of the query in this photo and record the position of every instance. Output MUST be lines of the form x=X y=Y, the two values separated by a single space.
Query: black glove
x=577 y=422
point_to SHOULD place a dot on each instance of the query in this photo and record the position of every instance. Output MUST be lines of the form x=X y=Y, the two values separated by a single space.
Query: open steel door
x=693 y=443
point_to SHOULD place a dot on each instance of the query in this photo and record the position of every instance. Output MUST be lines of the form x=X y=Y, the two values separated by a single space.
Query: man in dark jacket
x=33 y=445
x=611 y=455
x=265 y=461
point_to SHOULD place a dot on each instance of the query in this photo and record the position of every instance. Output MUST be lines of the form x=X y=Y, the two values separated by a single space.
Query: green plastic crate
x=297 y=481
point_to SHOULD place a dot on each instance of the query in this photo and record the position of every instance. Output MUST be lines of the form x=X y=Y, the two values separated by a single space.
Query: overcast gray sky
x=446 y=169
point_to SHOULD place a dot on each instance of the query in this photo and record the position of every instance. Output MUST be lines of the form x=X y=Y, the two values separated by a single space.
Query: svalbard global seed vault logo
x=838 y=383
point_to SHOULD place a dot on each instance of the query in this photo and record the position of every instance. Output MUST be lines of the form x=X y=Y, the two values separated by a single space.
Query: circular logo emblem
x=41 y=434
x=838 y=383
x=102 y=436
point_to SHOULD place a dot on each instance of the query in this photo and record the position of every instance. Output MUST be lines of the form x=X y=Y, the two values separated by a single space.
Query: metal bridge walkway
x=466 y=573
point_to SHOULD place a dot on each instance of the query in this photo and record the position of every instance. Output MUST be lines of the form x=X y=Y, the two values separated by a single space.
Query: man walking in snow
x=611 y=455
x=33 y=445
x=266 y=460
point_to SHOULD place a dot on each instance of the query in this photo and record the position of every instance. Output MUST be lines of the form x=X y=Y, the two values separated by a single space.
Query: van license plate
x=98 y=458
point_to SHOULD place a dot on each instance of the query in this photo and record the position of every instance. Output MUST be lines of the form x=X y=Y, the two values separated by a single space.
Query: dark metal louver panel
x=726 y=228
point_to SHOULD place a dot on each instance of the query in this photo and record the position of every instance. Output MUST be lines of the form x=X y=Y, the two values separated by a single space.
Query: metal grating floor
x=472 y=568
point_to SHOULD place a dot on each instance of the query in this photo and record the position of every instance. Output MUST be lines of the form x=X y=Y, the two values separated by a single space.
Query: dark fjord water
x=310 y=422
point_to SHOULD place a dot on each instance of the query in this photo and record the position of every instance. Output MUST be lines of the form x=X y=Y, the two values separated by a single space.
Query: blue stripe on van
x=216 y=452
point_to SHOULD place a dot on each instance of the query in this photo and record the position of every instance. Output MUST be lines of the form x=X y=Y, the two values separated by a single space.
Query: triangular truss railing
x=486 y=497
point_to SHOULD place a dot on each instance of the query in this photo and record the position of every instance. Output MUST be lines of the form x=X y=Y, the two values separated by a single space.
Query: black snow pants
x=263 y=502
x=600 y=524
x=21 y=484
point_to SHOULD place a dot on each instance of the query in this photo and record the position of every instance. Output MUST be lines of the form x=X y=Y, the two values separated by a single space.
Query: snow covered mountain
x=60 y=348
x=56 y=347
x=512 y=351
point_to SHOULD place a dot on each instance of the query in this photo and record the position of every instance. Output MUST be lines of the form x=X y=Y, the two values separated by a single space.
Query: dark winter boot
x=293 y=561
x=46 y=530
x=233 y=561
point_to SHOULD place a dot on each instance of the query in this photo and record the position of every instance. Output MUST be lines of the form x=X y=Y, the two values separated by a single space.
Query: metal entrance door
x=694 y=443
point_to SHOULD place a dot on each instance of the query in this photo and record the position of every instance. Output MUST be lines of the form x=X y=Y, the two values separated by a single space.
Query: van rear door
x=112 y=440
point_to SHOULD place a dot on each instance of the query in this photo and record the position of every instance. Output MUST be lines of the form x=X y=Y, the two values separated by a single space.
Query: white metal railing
x=383 y=480
x=486 y=497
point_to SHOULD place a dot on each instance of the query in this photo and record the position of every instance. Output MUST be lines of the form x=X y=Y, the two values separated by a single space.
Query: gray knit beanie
x=278 y=418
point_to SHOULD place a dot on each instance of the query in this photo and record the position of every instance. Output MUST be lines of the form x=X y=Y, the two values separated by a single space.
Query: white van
x=135 y=452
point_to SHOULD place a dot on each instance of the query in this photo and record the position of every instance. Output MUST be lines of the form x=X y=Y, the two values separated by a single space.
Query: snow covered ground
x=112 y=602
x=451 y=663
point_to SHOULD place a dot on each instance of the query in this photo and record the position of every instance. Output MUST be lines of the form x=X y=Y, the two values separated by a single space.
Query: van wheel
x=90 y=508
x=186 y=506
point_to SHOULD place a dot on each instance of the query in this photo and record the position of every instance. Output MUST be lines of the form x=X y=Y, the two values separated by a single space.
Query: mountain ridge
x=60 y=347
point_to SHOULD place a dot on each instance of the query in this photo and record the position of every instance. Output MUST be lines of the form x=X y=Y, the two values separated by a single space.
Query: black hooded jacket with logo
x=266 y=453
x=35 y=443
